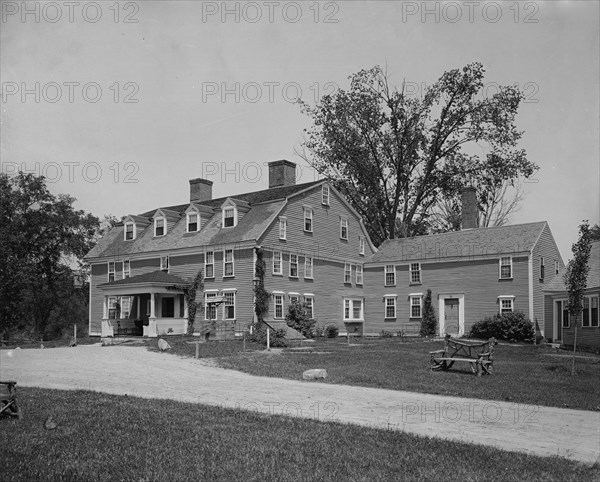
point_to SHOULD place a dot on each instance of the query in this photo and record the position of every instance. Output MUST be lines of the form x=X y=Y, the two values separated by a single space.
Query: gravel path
x=538 y=430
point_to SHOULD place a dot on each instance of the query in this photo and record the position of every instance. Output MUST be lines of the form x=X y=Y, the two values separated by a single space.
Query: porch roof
x=155 y=278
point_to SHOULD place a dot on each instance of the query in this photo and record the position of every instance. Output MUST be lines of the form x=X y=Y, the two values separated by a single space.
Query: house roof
x=264 y=206
x=518 y=238
x=158 y=277
x=593 y=279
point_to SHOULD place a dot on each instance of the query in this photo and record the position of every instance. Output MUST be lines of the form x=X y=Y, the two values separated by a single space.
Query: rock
x=163 y=345
x=314 y=374
x=50 y=424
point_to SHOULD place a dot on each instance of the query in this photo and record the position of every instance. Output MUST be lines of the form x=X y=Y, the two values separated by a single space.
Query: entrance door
x=451 y=319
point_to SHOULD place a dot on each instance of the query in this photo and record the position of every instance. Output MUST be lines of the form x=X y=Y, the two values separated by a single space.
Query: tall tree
x=575 y=279
x=495 y=204
x=38 y=232
x=392 y=154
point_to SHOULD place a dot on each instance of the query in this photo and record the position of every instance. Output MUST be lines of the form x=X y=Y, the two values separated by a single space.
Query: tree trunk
x=574 y=347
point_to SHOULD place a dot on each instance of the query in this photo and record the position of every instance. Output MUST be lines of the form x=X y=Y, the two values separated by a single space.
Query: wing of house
x=558 y=326
x=311 y=239
x=472 y=273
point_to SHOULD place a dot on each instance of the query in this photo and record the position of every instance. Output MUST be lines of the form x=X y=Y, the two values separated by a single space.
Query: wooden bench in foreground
x=478 y=355
x=8 y=399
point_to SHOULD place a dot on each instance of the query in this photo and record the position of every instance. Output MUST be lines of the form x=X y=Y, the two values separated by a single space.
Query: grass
x=535 y=375
x=107 y=437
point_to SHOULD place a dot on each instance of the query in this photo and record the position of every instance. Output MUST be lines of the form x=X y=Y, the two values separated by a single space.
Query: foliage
x=298 y=319
x=513 y=326
x=261 y=295
x=595 y=233
x=190 y=292
x=319 y=331
x=386 y=334
x=332 y=331
x=429 y=321
x=42 y=240
x=276 y=337
x=575 y=279
x=392 y=155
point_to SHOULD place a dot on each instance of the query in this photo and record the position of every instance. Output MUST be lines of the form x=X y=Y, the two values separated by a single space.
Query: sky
x=119 y=104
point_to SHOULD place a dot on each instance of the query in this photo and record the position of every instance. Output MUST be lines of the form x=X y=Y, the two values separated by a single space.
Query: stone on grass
x=163 y=345
x=314 y=374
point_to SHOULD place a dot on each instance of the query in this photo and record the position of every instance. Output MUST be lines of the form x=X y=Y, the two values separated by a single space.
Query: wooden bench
x=478 y=355
x=8 y=399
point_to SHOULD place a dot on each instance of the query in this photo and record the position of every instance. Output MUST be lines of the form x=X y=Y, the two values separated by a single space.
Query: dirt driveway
x=538 y=430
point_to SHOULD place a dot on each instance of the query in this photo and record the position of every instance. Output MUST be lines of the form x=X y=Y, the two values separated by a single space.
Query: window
x=506 y=304
x=563 y=313
x=505 y=267
x=415 y=273
x=278 y=305
x=160 y=227
x=294 y=265
x=309 y=300
x=325 y=195
x=390 y=275
x=359 y=274
x=113 y=308
x=308 y=220
x=294 y=297
x=344 y=228
x=229 y=305
x=125 y=306
x=167 y=307
x=277 y=268
x=229 y=217
x=192 y=222
x=164 y=263
x=308 y=267
x=361 y=245
x=415 y=306
x=126 y=269
x=347 y=273
x=390 y=306
x=590 y=312
x=542 y=268
x=209 y=265
x=129 y=231
x=282 y=228
x=210 y=309
x=111 y=271
x=353 y=309
x=228 y=261
x=555 y=267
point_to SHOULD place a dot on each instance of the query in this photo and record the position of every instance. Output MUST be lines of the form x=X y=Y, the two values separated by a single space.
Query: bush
x=319 y=331
x=429 y=321
x=332 y=331
x=506 y=326
x=385 y=334
x=298 y=319
x=276 y=338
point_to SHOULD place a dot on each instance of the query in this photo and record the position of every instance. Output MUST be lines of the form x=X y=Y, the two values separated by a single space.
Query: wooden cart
x=8 y=399
x=478 y=355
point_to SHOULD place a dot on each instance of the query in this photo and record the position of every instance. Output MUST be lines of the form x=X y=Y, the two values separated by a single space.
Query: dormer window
x=129 y=231
x=229 y=217
x=325 y=195
x=193 y=223
x=160 y=227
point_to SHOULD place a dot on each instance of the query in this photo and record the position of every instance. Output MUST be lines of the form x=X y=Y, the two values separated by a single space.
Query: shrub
x=385 y=334
x=506 y=326
x=332 y=331
x=298 y=319
x=319 y=331
x=429 y=321
x=276 y=338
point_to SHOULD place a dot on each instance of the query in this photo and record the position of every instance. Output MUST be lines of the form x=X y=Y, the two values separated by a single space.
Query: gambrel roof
x=456 y=245
x=264 y=207
x=593 y=279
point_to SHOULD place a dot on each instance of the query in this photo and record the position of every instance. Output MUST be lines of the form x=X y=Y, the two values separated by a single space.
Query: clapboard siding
x=476 y=279
x=546 y=248
x=549 y=319
x=586 y=336
x=143 y=266
x=186 y=266
x=324 y=241
x=98 y=275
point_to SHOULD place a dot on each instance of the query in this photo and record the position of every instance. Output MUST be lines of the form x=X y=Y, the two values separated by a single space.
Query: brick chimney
x=470 y=212
x=200 y=190
x=282 y=173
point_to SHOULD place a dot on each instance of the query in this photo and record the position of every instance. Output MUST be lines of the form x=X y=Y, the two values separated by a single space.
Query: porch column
x=185 y=308
x=105 y=308
x=152 y=305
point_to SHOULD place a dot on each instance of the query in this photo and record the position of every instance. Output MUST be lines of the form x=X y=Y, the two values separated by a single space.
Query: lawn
x=106 y=437
x=535 y=375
